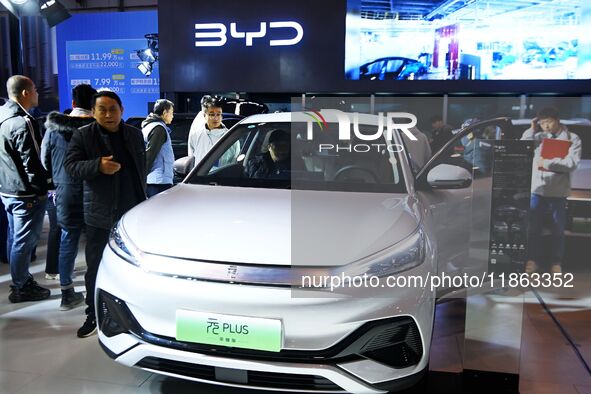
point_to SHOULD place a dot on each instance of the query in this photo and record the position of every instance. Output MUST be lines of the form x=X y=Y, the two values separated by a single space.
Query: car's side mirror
x=447 y=176
x=184 y=165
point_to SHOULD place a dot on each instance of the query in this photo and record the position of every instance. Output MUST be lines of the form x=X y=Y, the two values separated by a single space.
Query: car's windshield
x=280 y=155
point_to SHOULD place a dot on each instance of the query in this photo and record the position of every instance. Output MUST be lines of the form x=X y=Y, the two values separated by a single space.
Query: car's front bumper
x=311 y=328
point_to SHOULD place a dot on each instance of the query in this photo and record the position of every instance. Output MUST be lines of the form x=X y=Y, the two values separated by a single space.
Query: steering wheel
x=354 y=167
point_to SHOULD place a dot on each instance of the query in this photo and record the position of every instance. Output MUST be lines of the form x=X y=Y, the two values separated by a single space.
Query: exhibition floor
x=40 y=353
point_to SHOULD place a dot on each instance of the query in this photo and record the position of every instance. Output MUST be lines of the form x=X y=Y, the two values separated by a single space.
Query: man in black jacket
x=23 y=185
x=109 y=156
x=68 y=195
x=276 y=162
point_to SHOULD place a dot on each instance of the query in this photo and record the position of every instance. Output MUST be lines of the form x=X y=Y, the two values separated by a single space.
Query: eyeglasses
x=212 y=115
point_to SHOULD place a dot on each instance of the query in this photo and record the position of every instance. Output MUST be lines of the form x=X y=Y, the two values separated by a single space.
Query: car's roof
x=391 y=58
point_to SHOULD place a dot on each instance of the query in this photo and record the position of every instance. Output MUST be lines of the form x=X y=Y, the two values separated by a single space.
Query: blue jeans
x=3 y=234
x=547 y=212
x=25 y=220
x=68 y=253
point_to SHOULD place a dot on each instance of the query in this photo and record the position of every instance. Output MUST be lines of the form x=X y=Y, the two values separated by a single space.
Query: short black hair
x=213 y=103
x=162 y=105
x=204 y=100
x=106 y=93
x=16 y=84
x=82 y=96
x=548 y=112
x=278 y=135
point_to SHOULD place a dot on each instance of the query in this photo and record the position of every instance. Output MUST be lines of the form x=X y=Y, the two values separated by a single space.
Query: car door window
x=470 y=148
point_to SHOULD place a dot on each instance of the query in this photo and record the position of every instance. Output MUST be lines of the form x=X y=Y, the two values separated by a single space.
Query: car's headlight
x=407 y=254
x=120 y=243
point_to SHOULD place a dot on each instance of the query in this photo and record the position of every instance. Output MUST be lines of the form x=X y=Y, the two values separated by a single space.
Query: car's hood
x=270 y=226
x=581 y=178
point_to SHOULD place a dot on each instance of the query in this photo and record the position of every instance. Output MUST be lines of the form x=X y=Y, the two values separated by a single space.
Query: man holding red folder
x=557 y=155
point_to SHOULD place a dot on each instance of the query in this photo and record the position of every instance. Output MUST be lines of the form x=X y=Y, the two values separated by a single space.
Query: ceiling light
x=53 y=11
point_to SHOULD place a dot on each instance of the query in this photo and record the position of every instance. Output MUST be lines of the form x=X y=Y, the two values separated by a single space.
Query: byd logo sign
x=215 y=34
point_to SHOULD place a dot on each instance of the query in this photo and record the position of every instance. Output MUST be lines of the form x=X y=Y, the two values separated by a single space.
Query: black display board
x=511 y=185
x=315 y=63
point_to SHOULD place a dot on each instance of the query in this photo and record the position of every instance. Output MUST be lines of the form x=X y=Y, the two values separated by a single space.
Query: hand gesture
x=535 y=125
x=107 y=166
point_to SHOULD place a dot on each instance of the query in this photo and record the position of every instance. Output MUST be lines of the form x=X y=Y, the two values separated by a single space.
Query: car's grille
x=398 y=346
x=255 y=378
x=291 y=381
x=204 y=372
x=395 y=341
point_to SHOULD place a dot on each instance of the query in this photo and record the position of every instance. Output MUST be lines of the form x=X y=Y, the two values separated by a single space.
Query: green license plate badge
x=228 y=330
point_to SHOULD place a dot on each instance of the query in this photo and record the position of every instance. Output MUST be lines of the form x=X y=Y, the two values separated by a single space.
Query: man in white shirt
x=198 y=123
x=205 y=138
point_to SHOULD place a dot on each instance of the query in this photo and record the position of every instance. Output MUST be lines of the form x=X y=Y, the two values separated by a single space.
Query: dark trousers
x=96 y=240
x=551 y=212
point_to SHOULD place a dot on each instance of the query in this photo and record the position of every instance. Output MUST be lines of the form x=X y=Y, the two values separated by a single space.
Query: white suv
x=204 y=281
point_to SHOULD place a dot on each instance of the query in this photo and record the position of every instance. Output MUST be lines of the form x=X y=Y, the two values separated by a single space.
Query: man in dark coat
x=109 y=156
x=68 y=194
x=276 y=162
x=440 y=133
x=23 y=185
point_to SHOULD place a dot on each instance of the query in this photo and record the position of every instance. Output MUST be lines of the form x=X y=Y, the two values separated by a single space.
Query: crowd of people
x=85 y=168
x=89 y=168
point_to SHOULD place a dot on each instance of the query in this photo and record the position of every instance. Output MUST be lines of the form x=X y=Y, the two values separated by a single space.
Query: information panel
x=113 y=65
x=511 y=185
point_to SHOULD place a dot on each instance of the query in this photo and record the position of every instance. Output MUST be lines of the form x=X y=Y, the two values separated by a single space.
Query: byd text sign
x=216 y=34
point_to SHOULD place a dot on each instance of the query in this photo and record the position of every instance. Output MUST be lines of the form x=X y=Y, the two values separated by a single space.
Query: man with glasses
x=199 y=122
x=23 y=185
x=204 y=139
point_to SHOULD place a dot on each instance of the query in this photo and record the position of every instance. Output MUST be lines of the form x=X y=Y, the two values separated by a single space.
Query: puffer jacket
x=159 y=154
x=101 y=192
x=21 y=171
x=59 y=129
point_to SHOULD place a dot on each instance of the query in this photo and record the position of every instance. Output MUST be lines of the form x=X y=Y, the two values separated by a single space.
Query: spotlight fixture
x=149 y=55
x=53 y=11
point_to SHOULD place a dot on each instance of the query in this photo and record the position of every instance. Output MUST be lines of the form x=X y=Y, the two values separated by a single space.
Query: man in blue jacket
x=159 y=153
x=23 y=185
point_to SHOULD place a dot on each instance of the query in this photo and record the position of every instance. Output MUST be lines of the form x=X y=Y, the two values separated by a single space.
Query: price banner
x=113 y=65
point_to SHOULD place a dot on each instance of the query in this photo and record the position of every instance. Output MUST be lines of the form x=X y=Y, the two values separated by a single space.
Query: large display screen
x=102 y=50
x=376 y=46
x=113 y=65
x=469 y=40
